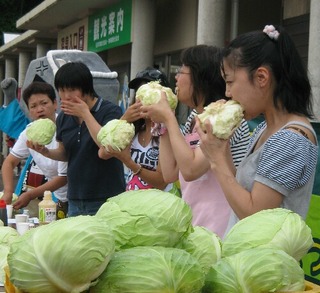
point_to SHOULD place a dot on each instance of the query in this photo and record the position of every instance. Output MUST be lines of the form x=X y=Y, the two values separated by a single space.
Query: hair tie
x=271 y=31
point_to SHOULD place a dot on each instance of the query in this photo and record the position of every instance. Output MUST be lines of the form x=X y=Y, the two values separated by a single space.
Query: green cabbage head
x=150 y=93
x=117 y=133
x=146 y=217
x=256 y=270
x=41 y=131
x=4 y=251
x=7 y=236
x=204 y=245
x=275 y=228
x=63 y=256
x=151 y=269
x=224 y=117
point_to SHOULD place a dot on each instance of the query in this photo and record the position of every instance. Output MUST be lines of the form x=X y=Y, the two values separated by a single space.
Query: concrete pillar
x=10 y=68
x=313 y=55
x=42 y=50
x=143 y=34
x=10 y=71
x=211 y=22
x=24 y=61
x=234 y=19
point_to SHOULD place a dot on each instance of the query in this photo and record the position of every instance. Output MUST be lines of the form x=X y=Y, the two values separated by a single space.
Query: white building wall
x=165 y=27
x=314 y=56
x=24 y=60
x=143 y=35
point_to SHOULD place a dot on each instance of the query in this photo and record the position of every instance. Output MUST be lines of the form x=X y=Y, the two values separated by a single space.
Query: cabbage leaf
x=204 y=245
x=7 y=236
x=146 y=218
x=41 y=131
x=63 y=256
x=150 y=94
x=151 y=269
x=224 y=117
x=274 y=228
x=116 y=133
x=255 y=270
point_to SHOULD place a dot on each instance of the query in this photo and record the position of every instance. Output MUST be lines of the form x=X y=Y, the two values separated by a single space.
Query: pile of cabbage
x=41 y=131
x=261 y=253
x=116 y=133
x=224 y=117
x=63 y=256
x=143 y=241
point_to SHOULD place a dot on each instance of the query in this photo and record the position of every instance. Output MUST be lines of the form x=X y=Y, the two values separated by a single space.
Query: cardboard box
x=310 y=288
x=9 y=287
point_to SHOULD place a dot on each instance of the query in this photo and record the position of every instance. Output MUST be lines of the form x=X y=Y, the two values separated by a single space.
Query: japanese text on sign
x=111 y=27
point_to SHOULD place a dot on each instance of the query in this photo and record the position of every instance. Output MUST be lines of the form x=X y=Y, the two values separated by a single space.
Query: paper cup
x=21 y=218
x=22 y=227
x=9 y=210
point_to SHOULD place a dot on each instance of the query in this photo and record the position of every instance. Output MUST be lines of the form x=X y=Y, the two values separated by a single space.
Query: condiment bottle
x=3 y=212
x=47 y=209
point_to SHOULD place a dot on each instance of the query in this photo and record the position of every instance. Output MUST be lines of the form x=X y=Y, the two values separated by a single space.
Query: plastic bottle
x=26 y=212
x=31 y=223
x=3 y=212
x=47 y=209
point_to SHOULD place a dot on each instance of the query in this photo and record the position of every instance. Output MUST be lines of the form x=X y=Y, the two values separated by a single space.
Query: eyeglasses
x=179 y=71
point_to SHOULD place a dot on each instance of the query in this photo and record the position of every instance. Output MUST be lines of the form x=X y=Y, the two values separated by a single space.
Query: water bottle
x=3 y=212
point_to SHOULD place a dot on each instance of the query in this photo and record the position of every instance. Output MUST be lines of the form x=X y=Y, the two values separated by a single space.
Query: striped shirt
x=286 y=162
x=238 y=142
x=288 y=158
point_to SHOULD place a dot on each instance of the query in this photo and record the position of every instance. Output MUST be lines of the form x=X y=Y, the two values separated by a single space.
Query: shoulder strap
x=295 y=125
x=299 y=130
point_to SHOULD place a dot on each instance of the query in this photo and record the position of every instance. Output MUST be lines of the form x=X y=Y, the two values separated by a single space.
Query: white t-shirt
x=50 y=168
x=147 y=157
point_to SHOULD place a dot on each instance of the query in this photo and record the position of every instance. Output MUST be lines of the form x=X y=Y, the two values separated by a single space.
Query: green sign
x=311 y=262
x=110 y=27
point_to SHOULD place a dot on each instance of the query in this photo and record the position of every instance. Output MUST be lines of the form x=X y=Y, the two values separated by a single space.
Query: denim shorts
x=84 y=207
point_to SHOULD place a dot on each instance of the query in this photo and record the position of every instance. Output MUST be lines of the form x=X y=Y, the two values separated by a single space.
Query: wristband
x=138 y=171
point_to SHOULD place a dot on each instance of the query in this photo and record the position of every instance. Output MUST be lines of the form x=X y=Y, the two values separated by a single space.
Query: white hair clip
x=271 y=31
